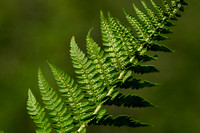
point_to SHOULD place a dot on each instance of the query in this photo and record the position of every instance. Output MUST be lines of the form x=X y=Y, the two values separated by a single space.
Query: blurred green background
x=34 y=31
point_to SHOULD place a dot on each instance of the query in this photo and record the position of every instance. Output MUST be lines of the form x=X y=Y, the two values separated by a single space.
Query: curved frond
x=103 y=72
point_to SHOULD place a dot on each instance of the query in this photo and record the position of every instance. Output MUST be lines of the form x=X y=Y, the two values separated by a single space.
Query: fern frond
x=37 y=113
x=149 y=26
x=124 y=35
x=159 y=10
x=74 y=97
x=118 y=121
x=154 y=18
x=62 y=119
x=113 y=47
x=130 y=44
x=87 y=74
x=104 y=72
x=137 y=25
x=101 y=63
x=158 y=47
x=158 y=25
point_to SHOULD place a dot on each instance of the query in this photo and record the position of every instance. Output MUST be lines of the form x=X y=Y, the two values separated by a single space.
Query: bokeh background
x=34 y=31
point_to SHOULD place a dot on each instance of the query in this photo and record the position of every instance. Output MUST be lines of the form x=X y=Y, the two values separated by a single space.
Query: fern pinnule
x=74 y=97
x=137 y=26
x=145 y=20
x=130 y=44
x=93 y=49
x=101 y=63
x=124 y=34
x=168 y=8
x=87 y=77
x=37 y=113
x=154 y=18
x=55 y=105
x=159 y=10
x=113 y=47
x=86 y=73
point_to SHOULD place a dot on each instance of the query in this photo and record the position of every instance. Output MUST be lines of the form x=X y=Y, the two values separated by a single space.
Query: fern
x=104 y=72
x=38 y=114
x=62 y=120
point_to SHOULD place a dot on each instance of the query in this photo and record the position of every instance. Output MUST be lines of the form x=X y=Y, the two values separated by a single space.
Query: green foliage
x=62 y=121
x=37 y=113
x=104 y=72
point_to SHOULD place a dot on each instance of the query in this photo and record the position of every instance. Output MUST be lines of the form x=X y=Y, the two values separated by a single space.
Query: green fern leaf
x=124 y=35
x=73 y=95
x=102 y=65
x=87 y=76
x=104 y=72
x=159 y=10
x=63 y=120
x=152 y=15
x=113 y=47
x=137 y=26
x=145 y=20
x=37 y=113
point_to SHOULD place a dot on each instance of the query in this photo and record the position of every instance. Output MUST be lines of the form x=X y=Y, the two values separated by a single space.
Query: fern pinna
x=103 y=72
